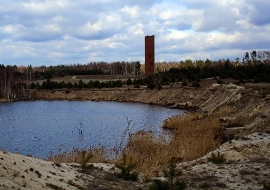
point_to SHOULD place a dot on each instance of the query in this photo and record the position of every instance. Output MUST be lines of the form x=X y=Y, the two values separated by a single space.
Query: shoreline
x=248 y=100
x=156 y=97
x=243 y=168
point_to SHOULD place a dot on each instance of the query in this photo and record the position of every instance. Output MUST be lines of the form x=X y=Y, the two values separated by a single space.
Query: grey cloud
x=260 y=12
x=65 y=31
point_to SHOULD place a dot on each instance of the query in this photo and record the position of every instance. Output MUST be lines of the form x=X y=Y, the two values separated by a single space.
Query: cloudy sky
x=52 y=32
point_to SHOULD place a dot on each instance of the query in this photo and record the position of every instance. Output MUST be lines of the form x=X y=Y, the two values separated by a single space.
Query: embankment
x=252 y=103
x=206 y=99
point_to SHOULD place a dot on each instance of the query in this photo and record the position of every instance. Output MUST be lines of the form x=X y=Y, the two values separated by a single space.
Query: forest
x=16 y=82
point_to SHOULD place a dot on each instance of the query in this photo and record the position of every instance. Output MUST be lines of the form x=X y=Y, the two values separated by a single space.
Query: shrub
x=172 y=182
x=266 y=186
x=184 y=83
x=172 y=173
x=159 y=86
x=219 y=81
x=129 y=81
x=151 y=86
x=180 y=185
x=136 y=86
x=159 y=185
x=196 y=84
x=127 y=170
x=204 y=185
x=85 y=159
x=217 y=159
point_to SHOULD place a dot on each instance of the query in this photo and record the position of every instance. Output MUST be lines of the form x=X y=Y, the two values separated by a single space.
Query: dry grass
x=175 y=121
x=75 y=156
x=223 y=111
x=193 y=137
x=241 y=120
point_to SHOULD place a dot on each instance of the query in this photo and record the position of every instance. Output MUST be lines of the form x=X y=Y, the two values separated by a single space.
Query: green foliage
x=217 y=159
x=137 y=86
x=172 y=173
x=219 y=81
x=266 y=186
x=184 y=83
x=151 y=86
x=159 y=86
x=127 y=171
x=159 y=185
x=49 y=84
x=196 y=84
x=180 y=185
x=86 y=157
x=172 y=182
x=204 y=185
x=129 y=82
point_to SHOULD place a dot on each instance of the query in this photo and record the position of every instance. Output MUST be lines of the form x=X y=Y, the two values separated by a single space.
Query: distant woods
x=92 y=68
x=15 y=81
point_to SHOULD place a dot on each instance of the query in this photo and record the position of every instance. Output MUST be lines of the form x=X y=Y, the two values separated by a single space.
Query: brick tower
x=149 y=54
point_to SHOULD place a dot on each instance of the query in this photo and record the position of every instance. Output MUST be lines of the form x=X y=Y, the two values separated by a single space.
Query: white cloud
x=65 y=31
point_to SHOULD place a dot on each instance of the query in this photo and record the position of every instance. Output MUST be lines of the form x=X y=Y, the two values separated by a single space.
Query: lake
x=42 y=127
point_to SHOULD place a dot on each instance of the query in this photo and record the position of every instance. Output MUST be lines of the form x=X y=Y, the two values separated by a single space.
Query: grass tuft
x=127 y=170
x=193 y=136
x=217 y=159
x=85 y=158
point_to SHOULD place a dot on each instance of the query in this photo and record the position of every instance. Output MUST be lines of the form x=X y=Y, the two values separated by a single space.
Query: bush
x=159 y=185
x=159 y=86
x=127 y=170
x=196 y=84
x=172 y=182
x=266 y=186
x=85 y=159
x=184 y=83
x=219 y=81
x=137 y=86
x=204 y=185
x=217 y=159
x=129 y=82
x=151 y=86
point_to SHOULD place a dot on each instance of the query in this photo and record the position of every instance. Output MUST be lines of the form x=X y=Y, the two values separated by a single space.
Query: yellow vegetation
x=192 y=136
x=75 y=156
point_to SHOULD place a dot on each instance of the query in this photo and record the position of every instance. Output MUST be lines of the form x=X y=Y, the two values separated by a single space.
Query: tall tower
x=149 y=54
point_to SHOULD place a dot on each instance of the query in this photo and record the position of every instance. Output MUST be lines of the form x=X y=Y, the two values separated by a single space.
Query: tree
x=246 y=57
x=253 y=56
x=129 y=82
x=12 y=85
x=264 y=55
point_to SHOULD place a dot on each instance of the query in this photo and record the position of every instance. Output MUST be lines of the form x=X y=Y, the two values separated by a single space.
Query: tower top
x=149 y=54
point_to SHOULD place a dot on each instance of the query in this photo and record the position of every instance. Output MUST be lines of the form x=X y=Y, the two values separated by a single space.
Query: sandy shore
x=248 y=156
x=247 y=167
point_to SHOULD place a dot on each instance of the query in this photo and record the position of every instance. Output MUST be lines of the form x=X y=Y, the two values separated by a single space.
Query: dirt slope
x=248 y=155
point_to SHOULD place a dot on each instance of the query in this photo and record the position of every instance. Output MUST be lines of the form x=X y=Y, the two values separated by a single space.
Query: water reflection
x=41 y=127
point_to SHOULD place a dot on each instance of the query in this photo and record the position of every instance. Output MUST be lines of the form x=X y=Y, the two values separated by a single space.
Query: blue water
x=42 y=127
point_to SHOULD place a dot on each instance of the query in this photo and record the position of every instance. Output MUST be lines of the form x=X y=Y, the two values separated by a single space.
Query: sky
x=54 y=32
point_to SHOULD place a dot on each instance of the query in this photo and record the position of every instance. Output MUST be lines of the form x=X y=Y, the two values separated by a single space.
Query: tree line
x=92 y=68
x=254 y=67
x=13 y=84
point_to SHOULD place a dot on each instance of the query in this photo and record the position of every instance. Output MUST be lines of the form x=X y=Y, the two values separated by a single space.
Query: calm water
x=40 y=127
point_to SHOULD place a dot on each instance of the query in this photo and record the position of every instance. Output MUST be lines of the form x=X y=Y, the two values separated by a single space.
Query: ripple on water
x=40 y=127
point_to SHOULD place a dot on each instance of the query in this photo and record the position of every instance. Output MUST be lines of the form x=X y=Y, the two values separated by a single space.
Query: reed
x=75 y=155
x=193 y=136
x=223 y=111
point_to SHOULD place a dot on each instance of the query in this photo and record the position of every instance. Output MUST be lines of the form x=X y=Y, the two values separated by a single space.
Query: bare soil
x=246 y=126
